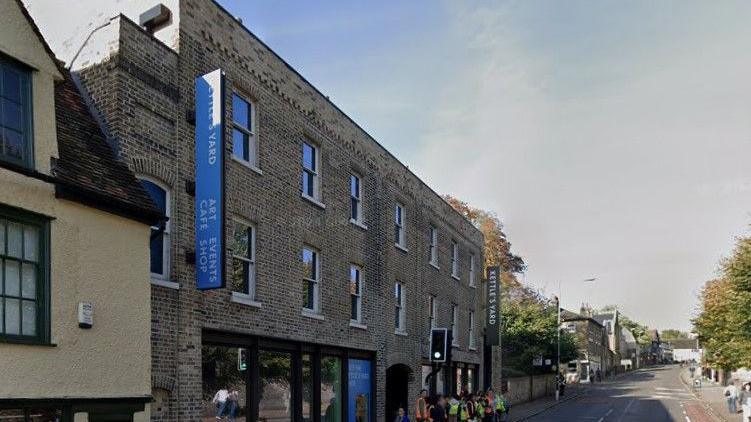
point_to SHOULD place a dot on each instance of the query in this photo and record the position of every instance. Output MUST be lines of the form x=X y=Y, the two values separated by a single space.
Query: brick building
x=591 y=341
x=339 y=258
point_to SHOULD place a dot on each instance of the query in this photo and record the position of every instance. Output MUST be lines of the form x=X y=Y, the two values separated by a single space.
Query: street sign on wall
x=209 y=201
x=493 y=316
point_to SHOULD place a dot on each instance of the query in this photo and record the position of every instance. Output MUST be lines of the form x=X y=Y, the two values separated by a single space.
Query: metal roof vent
x=155 y=17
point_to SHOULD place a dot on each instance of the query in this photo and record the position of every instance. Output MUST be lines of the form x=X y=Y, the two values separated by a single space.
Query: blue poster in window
x=209 y=201
x=360 y=398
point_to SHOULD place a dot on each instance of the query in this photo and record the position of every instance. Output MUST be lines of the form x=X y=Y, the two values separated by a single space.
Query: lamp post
x=558 y=360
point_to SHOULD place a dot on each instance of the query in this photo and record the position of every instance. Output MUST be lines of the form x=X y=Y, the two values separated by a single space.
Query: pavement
x=711 y=394
x=656 y=394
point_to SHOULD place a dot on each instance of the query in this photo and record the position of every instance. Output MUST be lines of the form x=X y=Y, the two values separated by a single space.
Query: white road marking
x=687 y=419
x=626 y=410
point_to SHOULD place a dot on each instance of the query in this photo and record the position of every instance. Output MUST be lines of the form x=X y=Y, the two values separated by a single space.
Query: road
x=651 y=395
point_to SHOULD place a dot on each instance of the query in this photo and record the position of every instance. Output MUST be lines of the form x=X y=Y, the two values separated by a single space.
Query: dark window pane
x=354 y=186
x=307 y=388
x=354 y=212
x=14 y=146
x=223 y=386
x=397 y=231
x=12 y=116
x=239 y=278
x=354 y=314
x=308 y=157
x=240 y=148
x=331 y=389
x=309 y=264
x=158 y=195
x=12 y=415
x=11 y=84
x=309 y=294
x=241 y=112
x=12 y=316
x=44 y=415
x=275 y=386
x=157 y=252
x=308 y=183
x=241 y=240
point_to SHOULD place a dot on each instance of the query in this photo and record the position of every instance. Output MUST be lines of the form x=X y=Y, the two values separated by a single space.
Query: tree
x=529 y=320
x=497 y=248
x=529 y=331
x=671 y=334
x=724 y=320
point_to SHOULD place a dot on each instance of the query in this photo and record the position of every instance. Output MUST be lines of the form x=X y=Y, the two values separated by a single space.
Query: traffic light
x=242 y=359
x=440 y=345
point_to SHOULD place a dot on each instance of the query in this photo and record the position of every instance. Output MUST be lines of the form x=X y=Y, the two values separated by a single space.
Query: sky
x=612 y=138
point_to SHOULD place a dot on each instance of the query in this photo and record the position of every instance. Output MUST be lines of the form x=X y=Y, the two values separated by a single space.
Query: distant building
x=610 y=320
x=687 y=350
x=591 y=341
x=630 y=350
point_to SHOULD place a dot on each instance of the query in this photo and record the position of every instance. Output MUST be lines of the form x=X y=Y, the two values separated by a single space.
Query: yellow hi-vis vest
x=463 y=414
x=453 y=409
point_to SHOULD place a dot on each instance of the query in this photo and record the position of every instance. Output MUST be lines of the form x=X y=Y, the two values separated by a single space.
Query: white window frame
x=358 y=198
x=400 y=215
x=315 y=172
x=357 y=293
x=472 y=344
x=455 y=259
x=434 y=246
x=251 y=132
x=454 y=325
x=164 y=278
x=316 y=281
x=251 y=282
x=400 y=301
x=472 y=273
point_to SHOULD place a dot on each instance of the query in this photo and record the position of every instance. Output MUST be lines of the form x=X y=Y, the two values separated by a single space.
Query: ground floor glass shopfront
x=268 y=380
x=451 y=379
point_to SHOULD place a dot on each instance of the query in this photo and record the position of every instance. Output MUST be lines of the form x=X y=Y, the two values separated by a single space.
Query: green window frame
x=24 y=277
x=16 y=127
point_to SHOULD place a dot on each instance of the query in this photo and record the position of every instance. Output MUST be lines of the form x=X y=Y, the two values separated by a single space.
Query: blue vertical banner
x=209 y=205
x=360 y=396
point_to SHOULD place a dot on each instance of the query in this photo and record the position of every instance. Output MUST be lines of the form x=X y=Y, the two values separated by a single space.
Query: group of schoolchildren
x=464 y=407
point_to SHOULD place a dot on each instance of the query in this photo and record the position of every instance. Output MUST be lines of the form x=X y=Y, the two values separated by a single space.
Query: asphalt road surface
x=651 y=395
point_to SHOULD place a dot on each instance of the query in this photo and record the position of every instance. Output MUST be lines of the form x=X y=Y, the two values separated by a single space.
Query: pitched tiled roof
x=88 y=167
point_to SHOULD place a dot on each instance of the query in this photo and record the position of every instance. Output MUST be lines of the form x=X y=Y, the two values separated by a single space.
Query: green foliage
x=724 y=320
x=529 y=324
x=671 y=334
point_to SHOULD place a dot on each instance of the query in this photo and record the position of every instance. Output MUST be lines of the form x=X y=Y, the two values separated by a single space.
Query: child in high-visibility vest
x=463 y=412
x=453 y=410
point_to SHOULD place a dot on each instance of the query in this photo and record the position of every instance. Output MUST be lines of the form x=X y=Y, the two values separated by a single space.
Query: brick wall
x=144 y=91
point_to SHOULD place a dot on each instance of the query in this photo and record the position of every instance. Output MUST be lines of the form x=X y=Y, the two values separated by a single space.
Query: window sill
x=358 y=325
x=165 y=283
x=400 y=333
x=434 y=265
x=473 y=285
x=455 y=277
x=312 y=314
x=313 y=201
x=245 y=299
x=247 y=164
x=401 y=248
x=454 y=346
x=27 y=342
x=358 y=224
x=472 y=348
